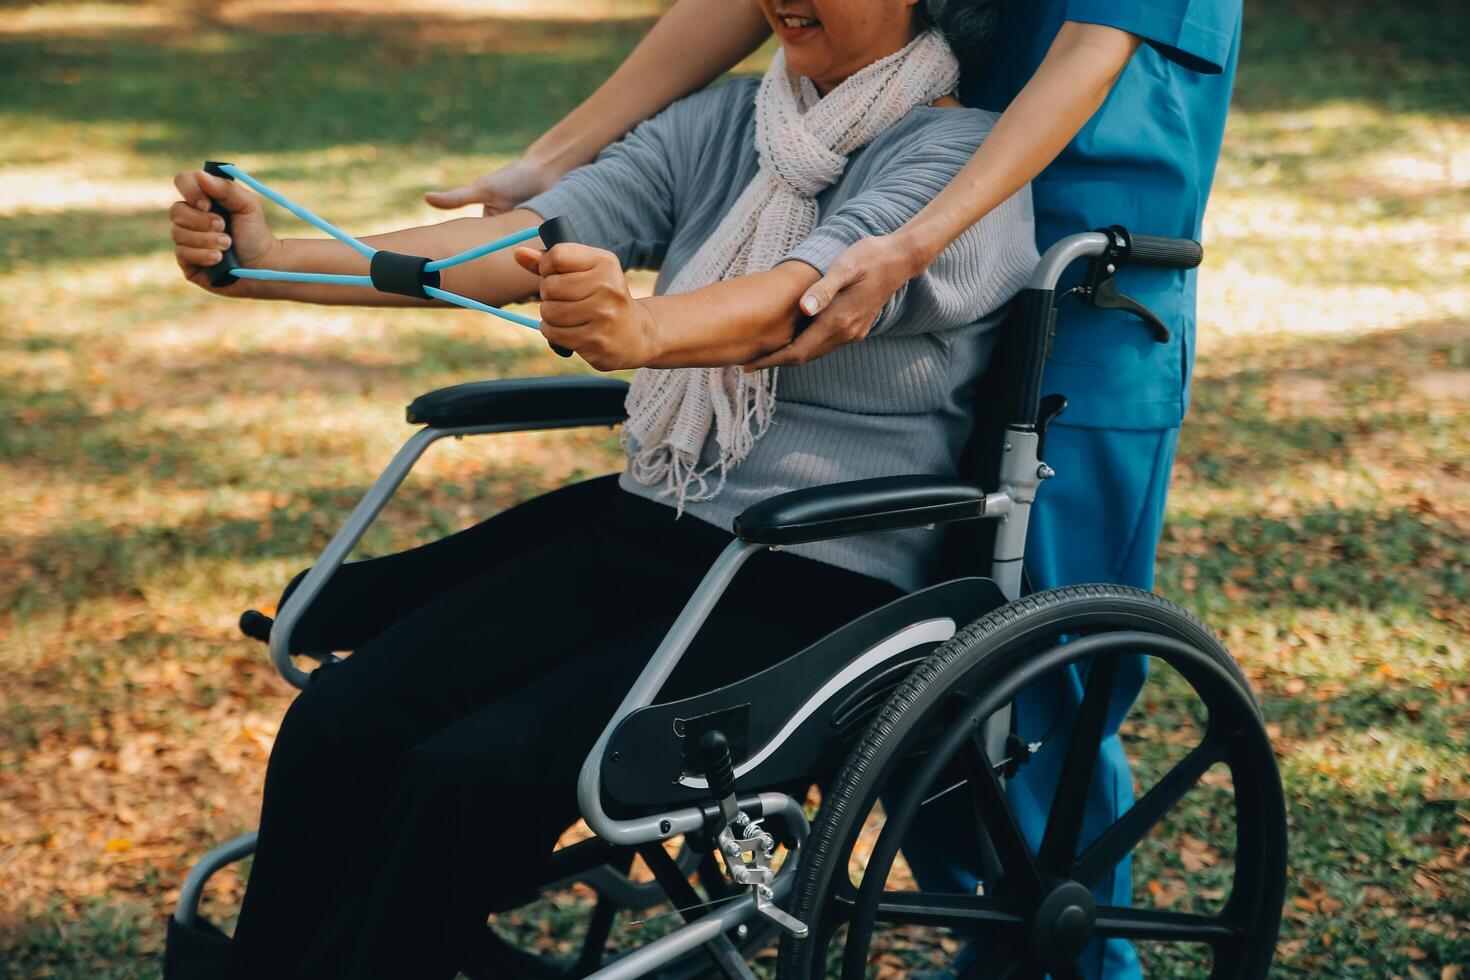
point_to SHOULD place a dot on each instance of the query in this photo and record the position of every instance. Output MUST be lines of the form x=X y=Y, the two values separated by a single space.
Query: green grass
x=170 y=459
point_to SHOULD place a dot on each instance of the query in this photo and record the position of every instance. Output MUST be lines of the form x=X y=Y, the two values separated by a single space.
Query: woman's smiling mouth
x=795 y=26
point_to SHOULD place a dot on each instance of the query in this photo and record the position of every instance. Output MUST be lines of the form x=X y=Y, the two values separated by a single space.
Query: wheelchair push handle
x=1164 y=253
x=222 y=272
x=554 y=232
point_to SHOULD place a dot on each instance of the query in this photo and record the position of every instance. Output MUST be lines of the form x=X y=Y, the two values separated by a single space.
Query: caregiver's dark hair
x=966 y=24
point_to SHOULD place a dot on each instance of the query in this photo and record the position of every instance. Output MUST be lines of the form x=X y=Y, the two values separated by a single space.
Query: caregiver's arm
x=689 y=47
x=585 y=305
x=1072 y=81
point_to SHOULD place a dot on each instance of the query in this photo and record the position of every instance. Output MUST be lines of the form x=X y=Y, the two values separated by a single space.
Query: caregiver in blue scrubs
x=1116 y=110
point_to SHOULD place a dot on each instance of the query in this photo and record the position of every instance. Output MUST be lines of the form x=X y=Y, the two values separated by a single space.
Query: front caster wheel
x=1034 y=913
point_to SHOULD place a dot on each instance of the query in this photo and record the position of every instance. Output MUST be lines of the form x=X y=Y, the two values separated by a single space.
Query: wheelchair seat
x=793 y=719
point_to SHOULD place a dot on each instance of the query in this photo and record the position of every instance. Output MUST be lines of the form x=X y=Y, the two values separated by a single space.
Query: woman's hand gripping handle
x=222 y=273
x=554 y=232
x=217 y=227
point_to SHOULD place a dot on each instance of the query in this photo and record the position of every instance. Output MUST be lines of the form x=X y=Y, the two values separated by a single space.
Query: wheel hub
x=1062 y=925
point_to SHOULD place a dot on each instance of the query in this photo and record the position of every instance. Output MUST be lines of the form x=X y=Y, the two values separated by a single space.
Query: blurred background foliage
x=168 y=459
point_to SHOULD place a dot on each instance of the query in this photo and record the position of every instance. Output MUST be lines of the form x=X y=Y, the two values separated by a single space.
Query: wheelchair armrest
x=860 y=507
x=588 y=399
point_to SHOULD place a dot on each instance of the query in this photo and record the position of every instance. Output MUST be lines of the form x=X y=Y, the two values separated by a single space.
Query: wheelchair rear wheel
x=1034 y=914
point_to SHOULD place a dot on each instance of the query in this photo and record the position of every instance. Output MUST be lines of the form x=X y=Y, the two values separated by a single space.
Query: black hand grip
x=220 y=272
x=714 y=752
x=553 y=232
x=1166 y=253
x=256 y=625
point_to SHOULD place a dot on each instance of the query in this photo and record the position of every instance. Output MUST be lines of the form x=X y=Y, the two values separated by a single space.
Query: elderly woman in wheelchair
x=773 y=594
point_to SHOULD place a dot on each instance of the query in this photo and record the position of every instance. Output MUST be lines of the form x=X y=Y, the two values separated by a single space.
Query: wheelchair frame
x=797 y=517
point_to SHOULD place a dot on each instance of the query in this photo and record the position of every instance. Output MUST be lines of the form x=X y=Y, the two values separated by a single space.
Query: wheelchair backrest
x=968 y=544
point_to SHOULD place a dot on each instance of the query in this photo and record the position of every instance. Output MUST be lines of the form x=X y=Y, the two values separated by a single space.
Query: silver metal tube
x=339 y=547
x=361 y=519
x=1020 y=475
x=1063 y=254
x=227 y=853
x=589 y=783
x=645 y=959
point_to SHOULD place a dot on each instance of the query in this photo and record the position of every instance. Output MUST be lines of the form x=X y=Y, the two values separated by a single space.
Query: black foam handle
x=714 y=752
x=220 y=272
x=256 y=625
x=553 y=232
x=1165 y=253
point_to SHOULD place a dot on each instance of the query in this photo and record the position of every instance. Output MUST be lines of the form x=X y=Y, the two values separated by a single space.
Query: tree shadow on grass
x=1400 y=57
x=490 y=85
x=242 y=88
x=78 y=235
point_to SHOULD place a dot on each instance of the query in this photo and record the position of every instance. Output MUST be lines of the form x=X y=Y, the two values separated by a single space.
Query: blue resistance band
x=389 y=272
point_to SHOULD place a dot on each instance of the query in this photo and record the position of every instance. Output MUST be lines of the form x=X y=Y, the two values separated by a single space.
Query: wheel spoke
x=999 y=822
x=604 y=913
x=1059 y=843
x=1115 y=843
x=966 y=912
x=1120 y=922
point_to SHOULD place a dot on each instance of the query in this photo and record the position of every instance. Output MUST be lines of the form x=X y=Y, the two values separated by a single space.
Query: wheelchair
x=909 y=703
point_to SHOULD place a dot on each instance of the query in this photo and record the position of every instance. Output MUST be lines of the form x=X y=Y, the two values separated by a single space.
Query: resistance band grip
x=553 y=232
x=221 y=274
x=394 y=272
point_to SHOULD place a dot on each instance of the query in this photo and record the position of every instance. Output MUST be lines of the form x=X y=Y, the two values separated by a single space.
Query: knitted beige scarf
x=803 y=141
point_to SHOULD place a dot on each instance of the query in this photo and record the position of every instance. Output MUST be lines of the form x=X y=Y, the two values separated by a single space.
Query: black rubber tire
x=985 y=650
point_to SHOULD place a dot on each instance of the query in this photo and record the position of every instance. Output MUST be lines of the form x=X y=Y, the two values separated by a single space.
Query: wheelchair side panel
x=790 y=720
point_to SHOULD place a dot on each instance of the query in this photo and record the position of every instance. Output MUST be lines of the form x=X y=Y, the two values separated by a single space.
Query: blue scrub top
x=1144 y=161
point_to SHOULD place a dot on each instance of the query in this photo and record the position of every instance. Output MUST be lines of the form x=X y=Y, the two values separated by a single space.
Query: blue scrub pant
x=1097 y=520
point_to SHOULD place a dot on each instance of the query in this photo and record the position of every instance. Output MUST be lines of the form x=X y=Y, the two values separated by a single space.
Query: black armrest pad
x=860 y=507
x=590 y=399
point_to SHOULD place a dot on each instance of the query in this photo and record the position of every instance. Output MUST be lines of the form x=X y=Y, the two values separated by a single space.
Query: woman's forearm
x=729 y=322
x=690 y=46
x=1071 y=83
x=493 y=279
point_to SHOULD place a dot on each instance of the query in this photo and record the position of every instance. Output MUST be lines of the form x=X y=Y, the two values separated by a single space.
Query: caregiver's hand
x=504 y=190
x=585 y=305
x=845 y=303
x=199 y=235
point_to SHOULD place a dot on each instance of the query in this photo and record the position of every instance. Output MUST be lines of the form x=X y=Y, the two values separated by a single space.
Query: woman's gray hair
x=966 y=24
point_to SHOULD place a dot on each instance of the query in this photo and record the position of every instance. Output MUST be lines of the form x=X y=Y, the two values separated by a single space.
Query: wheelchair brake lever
x=737 y=835
x=1098 y=289
x=755 y=872
x=719 y=772
x=765 y=904
x=1105 y=296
